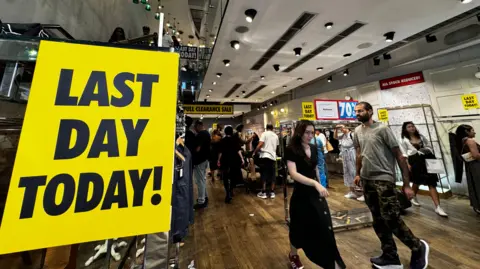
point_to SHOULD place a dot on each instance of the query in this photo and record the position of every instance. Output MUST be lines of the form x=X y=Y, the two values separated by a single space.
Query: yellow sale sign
x=96 y=148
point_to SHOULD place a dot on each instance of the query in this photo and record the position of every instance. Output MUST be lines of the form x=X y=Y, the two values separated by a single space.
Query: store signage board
x=402 y=81
x=188 y=53
x=382 y=115
x=335 y=109
x=346 y=110
x=96 y=148
x=208 y=109
x=308 y=110
x=470 y=101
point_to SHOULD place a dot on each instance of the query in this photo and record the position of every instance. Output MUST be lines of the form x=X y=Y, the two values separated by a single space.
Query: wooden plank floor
x=227 y=237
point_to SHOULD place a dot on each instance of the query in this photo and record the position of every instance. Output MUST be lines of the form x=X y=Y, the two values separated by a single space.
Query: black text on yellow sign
x=208 y=109
x=470 y=101
x=308 y=111
x=96 y=148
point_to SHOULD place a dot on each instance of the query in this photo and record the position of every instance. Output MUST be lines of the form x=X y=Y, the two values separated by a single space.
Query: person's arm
x=292 y=170
x=358 y=160
x=260 y=144
x=472 y=146
x=392 y=143
x=241 y=156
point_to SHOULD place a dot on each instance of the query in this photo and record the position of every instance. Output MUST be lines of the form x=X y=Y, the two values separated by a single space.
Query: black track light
x=319 y=68
x=250 y=15
x=465 y=1
x=244 y=92
x=387 y=56
x=376 y=61
x=226 y=62
x=284 y=86
x=271 y=103
x=299 y=79
x=235 y=44
x=329 y=79
x=345 y=73
x=329 y=25
x=262 y=77
x=431 y=38
x=208 y=95
x=389 y=36
x=219 y=75
x=238 y=96
x=347 y=55
x=276 y=67
x=210 y=90
x=258 y=108
x=298 y=51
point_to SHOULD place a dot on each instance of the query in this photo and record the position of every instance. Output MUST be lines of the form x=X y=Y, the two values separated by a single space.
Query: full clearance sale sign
x=96 y=148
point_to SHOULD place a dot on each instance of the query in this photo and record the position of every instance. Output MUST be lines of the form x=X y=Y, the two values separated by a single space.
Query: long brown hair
x=296 y=142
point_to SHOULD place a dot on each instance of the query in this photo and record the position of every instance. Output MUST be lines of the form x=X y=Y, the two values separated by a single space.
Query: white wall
x=84 y=19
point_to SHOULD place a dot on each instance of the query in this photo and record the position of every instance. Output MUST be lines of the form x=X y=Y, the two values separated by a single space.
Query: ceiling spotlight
x=226 y=62
x=244 y=92
x=376 y=61
x=345 y=73
x=210 y=90
x=258 y=108
x=465 y=1
x=272 y=112
x=282 y=110
x=298 y=51
x=183 y=68
x=219 y=75
x=235 y=44
x=284 y=86
x=250 y=15
x=389 y=36
x=262 y=77
x=271 y=104
x=299 y=79
x=430 y=38
x=276 y=67
x=347 y=55
x=208 y=95
x=168 y=24
x=273 y=92
x=214 y=83
x=387 y=56
x=329 y=25
x=319 y=68
x=329 y=79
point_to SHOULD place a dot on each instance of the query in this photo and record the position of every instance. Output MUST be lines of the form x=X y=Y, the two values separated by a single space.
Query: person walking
x=417 y=150
x=470 y=151
x=268 y=157
x=200 y=163
x=347 y=152
x=377 y=149
x=214 y=150
x=230 y=161
x=310 y=221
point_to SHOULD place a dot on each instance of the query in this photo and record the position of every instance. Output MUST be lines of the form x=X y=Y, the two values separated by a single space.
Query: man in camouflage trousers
x=377 y=150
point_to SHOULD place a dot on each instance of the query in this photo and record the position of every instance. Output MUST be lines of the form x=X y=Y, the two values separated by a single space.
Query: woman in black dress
x=466 y=143
x=310 y=222
x=230 y=161
x=417 y=149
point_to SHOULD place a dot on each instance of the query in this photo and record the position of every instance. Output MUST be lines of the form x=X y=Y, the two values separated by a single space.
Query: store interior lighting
x=262 y=77
x=226 y=62
x=235 y=44
x=210 y=90
x=345 y=73
x=430 y=38
x=465 y=1
x=219 y=75
x=299 y=79
x=276 y=67
x=329 y=79
x=284 y=86
x=389 y=36
x=272 y=113
x=273 y=92
x=298 y=51
x=319 y=68
x=347 y=55
x=214 y=83
x=329 y=25
x=250 y=15
x=243 y=92
x=376 y=61
x=387 y=56
x=282 y=110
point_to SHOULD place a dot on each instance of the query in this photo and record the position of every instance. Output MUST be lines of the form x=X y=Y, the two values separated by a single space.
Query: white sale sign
x=326 y=110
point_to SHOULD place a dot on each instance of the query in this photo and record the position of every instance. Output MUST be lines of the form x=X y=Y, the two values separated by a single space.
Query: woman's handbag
x=435 y=166
x=467 y=157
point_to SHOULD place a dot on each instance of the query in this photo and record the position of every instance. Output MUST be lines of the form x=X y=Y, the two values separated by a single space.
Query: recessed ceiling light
x=465 y=1
x=271 y=104
x=262 y=77
x=389 y=36
x=219 y=75
x=214 y=83
x=329 y=25
x=273 y=92
x=284 y=86
x=250 y=15
x=329 y=79
x=282 y=110
x=299 y=79
x=272 y=111
x=243 y=93
x=319 y=68
x=345 y=73
x=210 y=90
x=213 y=42
x=276 y=67
x=298 y=51
x=208 y=95
x=235 y=44
x=258 y=108
x=226 y=62
x=347 y=55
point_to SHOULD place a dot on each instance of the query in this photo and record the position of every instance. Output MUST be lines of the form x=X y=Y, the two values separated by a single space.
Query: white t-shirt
x=324 y=142
x=167 y=41
x=270 y=144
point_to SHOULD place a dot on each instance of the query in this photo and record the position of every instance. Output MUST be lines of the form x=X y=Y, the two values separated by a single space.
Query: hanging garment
x=472 y=171
x=456 y=158
x=156 y=251
x=348 y=153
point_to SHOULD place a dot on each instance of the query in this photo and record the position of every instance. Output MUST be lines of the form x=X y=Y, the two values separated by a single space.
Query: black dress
x=310 y=221
x=472 y=171
x=419 y=174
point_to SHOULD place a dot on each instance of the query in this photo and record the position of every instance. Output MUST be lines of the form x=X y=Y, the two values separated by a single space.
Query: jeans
x=382 y=201
x=326 y=169
x=200 y=175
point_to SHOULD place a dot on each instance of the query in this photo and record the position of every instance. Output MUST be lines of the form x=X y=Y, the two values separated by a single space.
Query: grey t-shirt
x=376 y=143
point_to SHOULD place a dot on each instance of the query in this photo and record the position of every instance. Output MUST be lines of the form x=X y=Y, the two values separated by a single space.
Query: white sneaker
x=262 y=195
x=415 y=201
x=272 y=195
x=361 y=198
x=351 y=195
x=441 y=212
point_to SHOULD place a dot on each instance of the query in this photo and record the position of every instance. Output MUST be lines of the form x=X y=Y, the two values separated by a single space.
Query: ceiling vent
x=325 y=46
x=296 y=27
x=259 y=88
x=232 y=90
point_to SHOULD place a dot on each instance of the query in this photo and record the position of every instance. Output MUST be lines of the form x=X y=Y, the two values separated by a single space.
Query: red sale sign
x=401 y=81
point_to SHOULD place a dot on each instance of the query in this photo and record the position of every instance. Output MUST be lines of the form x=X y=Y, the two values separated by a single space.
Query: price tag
x=346 y=109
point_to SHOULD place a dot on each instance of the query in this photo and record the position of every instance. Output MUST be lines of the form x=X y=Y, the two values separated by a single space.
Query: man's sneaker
x=361 y=198
x=272 y=195
x=262 y=195
x=386 y=262
x=441 y=212
x=419 y=258
x=415 y=201
x=295 y=262
x=351 y=195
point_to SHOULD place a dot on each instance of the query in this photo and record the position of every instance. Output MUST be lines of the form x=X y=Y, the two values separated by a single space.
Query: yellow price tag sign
x=382 y=115
x=96 y=147
x=470 y=101
x=308 y=111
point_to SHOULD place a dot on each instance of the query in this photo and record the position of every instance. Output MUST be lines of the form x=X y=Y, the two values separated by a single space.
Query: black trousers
x=267 y=171
x=231 y=175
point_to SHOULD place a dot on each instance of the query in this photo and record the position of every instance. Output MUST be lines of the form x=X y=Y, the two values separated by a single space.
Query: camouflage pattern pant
x=381 y=198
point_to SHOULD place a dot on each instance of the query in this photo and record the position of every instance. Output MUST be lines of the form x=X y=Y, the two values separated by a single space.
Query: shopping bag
x=435 y=166
x=329 y=146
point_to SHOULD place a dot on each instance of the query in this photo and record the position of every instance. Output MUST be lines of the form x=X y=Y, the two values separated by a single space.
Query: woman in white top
x=417 y=150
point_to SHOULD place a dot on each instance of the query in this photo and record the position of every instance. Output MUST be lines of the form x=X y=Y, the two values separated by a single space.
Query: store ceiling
x=358 y=29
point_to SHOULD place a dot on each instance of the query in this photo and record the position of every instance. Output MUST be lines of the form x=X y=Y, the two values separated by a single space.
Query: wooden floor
x=251 y=233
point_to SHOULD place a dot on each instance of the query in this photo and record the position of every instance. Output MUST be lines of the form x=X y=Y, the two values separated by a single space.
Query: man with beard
x=377 y=149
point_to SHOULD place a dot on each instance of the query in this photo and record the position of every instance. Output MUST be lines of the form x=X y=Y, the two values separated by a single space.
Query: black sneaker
x=386 y=262
x=419 y=258
x=201 y=205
